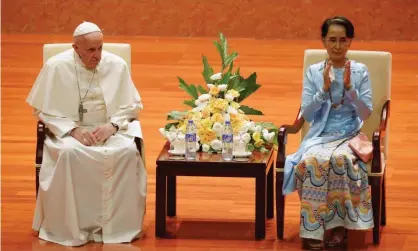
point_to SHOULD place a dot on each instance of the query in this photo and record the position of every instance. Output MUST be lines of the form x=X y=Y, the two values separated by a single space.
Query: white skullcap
x=85 y=28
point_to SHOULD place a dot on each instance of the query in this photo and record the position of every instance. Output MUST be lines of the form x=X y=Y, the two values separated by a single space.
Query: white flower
x=250 y=125
x=244 y=129
x=265 y=132
x=258 y=129
x=222 y=87
x=204 y=97
x=205 y=148
x=216 y=144
x=197 y=102
x=210 y=86
x=216 y=76
x=217 y=128
x=232 y=110
x=246 y=137
x=269 y=137
x=229 y=97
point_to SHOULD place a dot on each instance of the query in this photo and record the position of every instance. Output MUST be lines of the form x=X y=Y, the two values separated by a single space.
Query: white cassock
x=89 y=192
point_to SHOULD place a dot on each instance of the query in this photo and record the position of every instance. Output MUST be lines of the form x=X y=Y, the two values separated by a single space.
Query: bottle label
x=190 y=137
x=227 y=138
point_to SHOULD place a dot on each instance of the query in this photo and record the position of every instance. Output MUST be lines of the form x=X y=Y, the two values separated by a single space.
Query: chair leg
x=37 y=170
x=280 y=203
x=376 y=184
x=383 y=220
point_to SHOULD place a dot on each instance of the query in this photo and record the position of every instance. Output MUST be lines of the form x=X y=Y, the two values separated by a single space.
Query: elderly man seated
x=92 y=179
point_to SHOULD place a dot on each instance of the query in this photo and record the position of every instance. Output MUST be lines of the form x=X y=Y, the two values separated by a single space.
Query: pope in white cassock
x=92 y=179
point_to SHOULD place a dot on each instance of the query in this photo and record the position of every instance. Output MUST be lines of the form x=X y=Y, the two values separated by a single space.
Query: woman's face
x=336 y=42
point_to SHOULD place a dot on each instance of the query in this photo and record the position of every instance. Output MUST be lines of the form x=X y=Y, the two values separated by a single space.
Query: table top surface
x=214 y=159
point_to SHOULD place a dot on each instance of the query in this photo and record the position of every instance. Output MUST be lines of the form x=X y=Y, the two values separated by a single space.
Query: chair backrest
x=120 y=49
x=379 y=64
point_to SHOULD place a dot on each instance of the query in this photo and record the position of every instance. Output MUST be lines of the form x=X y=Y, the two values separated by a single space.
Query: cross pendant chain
x=81 y=111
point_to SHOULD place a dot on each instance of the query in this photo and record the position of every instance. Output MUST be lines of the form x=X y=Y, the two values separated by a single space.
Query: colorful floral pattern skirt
x=333 y=188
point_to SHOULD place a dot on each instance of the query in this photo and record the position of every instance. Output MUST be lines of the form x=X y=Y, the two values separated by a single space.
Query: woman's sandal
x=312 y=244
x=338 y=239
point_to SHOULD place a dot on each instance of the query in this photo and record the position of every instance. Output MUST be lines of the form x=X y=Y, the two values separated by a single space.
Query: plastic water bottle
x=190 y=141
x=227 y=142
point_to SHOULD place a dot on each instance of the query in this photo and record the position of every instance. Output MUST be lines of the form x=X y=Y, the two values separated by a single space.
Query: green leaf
x=250 y=111
x=176 y=115
x=220 y=50
x=250 y=147
x=231 y=66
x=169 y=125
x=207 y=70
x=230 y=59
x=201 y=89
x=235 y=83
x=190 y=103
x=250 y=86
x=190 y=89
x=225 y=78
x=224 y=45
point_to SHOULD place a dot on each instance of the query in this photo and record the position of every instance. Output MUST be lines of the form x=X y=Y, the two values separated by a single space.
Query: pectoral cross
x=81 y=111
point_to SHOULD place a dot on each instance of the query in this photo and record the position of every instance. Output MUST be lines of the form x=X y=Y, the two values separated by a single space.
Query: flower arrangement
x=219 y=100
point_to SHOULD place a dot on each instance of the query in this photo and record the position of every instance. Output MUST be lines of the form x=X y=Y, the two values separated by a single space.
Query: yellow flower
x=237 y=125
x=206 y=112
x=194 y=115
x=218 y=105
x=217 y=117
x=233 y=92
x=182 y=126
x=257 y=136
x=206 y=135
x=258 y=143
x=214 y=90
x=234 y=105
x=207 y=123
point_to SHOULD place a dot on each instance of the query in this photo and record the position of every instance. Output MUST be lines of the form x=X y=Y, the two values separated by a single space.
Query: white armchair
x=375 y=127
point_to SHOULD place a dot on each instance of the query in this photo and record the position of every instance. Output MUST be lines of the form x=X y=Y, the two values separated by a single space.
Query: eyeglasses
x=343 y=42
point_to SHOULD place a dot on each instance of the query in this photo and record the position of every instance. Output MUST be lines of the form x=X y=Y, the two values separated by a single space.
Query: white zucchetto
x=85 y=28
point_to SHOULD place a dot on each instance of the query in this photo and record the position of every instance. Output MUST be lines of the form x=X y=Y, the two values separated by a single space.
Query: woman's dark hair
x=339 y=20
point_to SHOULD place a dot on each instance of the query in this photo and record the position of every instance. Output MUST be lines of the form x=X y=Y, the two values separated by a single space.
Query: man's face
x=89 y=48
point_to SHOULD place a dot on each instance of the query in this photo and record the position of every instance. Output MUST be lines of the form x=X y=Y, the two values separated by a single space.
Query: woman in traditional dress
x=330 y=179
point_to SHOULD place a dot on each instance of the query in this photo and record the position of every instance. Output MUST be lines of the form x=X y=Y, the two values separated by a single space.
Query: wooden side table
x=259 y=166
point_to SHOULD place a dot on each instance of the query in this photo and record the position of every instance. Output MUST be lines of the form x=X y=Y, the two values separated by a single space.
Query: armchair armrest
x=282 y=138
x=378 y=137
x=41 y=130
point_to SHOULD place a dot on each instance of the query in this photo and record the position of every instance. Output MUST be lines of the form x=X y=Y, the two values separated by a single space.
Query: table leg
x=270 y=194
x=160 y=203
x=171 y=196
x=260 y=206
